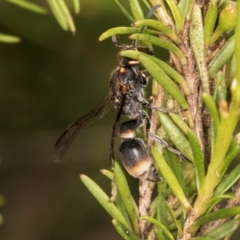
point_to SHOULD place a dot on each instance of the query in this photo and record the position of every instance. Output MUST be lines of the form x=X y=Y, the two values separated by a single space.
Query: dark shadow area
x=49 y=80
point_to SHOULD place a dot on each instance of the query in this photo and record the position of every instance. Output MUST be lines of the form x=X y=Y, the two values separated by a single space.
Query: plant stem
x=224 y=135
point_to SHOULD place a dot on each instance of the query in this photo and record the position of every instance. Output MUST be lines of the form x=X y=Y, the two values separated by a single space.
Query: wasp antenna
x=118 y=44
x=115 y=38
x=149 y=14
x=152 y=10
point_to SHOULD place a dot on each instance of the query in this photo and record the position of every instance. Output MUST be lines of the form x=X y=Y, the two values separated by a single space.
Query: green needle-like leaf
x=76 y=5
x=209 y=102
x=5 y=38
x=124 y=191
x=176 y=135
x=228 y=181
x=162 y=78
x=226 y=20
x=67 y=15
x=161 y=43
x=147 y=4
x=29 y=6
x=120 y=30
x=161 y=209
x=123 y=231
x=237 y=48
x=171 y=212
x=223 y=55
x=183 y=6
x=220 y=92
x=223 y=230
x=176 y=167
x=160 y=225
x=233 y=151
x=103 y=199
x=197 y=44
x=59 y=15
x=223 y=213
x=215 y=200
x=198 y=158
x=210 y=22
x=158 y=234
x=202 y=238
x=136 y=10
x=107 y=173
x=170 y=178
x=176 y=14
x=121 y=207
x=124 y=11
x=178 y=120
x=159 y=26
x=231 y=68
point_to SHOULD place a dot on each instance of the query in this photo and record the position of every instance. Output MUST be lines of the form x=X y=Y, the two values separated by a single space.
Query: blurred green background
x=47 y=81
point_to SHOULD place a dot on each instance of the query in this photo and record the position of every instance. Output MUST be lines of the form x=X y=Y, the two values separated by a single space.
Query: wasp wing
x=75 y=128
x=114 y=128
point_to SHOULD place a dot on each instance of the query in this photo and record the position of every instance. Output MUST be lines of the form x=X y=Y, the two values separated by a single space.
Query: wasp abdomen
x=137 y=160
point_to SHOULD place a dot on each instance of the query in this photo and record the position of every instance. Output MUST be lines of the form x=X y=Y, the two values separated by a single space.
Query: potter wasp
x=126 y=94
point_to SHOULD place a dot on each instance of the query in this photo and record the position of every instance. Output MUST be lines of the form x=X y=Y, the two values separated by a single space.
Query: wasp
x=126 y=94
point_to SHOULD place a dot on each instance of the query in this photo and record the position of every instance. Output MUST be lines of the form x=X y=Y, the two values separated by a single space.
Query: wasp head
x=126 y=61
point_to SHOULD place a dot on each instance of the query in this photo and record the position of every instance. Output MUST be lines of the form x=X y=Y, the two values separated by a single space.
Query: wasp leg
x=160 y=140
x=146 y=104
x=118 y=44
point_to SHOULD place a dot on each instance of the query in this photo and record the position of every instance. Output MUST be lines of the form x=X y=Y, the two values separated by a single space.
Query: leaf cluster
x=202 y=51
x=59 y=9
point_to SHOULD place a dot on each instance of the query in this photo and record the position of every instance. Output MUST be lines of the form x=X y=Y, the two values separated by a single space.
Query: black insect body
x=134 y=154
x=126 y=86
x=127 y=80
